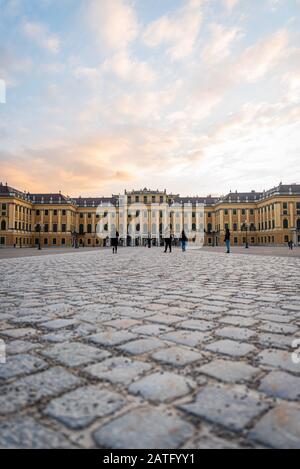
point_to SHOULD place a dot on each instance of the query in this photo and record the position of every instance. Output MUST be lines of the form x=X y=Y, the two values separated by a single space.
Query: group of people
x=168 y=241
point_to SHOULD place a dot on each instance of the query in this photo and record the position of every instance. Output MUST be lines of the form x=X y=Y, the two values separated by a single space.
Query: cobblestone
x=142 y=350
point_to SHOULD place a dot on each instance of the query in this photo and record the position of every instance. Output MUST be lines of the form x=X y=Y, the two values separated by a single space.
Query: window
x=209 y=227
x=89 y=215
x=45 y=241
x=81 y=215
x=285 y=224
x=234 y=211
x=46 y=227
x=81 y=229
x=3 y=225
x=137 y=199
x=89 y=228
x=55 y=227
x=298 y=224
x=63 y=241
x=145 y=199
x=236 y=241
x=161 y=199
x=209 y=215
x=37 y=213
x=286 y=239
x=2 y=240
x=251 y=211
x=226 y=212
x=55 y=213
x=64 y=212
x=46 y=213
x=63 y=228
x=54 y=241
x=298 y=208
x=243 y=211
x=235 y=227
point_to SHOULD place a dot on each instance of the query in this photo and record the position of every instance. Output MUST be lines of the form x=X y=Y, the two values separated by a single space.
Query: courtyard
x=150 y=350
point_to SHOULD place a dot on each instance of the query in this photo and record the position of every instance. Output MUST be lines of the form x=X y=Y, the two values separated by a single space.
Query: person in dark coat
x=115 y=242
x=183 y=241
x=149 y=241
x=168 y=243
x=227 y=240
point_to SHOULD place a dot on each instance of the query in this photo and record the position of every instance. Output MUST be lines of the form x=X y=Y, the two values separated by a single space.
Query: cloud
x=39 y=33
x=221 y=42
x=129 y=69
x=263 y=56
x=113 y=22
x=178 y=31
x=230 y=4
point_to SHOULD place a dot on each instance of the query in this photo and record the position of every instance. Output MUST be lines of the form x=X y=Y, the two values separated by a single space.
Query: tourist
x=149 y=241
x=184 y=240
x=114 y=242
x=168 y=243
x=227 y=240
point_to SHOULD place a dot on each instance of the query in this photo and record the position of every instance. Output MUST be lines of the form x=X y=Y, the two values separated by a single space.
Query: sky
x=194 y=96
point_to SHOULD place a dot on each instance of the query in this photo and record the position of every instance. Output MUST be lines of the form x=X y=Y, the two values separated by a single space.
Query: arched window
x=89 y=228
x=298 y=224
x=285 y=224
x=81 y=229
x=3 y=225
x=209 y=227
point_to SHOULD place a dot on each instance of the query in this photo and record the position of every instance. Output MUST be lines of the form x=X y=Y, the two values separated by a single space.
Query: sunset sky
x=195 y=96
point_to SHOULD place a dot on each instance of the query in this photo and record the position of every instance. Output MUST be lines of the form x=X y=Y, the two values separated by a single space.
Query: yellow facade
x=267 y=218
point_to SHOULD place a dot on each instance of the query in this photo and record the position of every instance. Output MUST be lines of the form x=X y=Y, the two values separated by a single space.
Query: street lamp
x=38 y=228
x=245 y=228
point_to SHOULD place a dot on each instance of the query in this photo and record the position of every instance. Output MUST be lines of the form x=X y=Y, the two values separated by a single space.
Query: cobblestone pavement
x=150 y=350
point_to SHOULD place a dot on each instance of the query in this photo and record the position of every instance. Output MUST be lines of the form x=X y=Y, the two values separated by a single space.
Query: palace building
x=259 y=218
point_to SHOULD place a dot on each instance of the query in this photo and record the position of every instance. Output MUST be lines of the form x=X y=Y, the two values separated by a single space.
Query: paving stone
x=278 y=359
x=58 y=324
x=229 y=407
x=122 y=323
x=81 y=407
x=231 y=348
x=177 y=356
x=279 y=428
x=33 y=388
x=22 y=364
x=75 y=354
x=189 y=338
x=282 y=385
x=151 y=329
x=239 y=321
x=194 y=324
x=19 y=333
x=141 y=346
x=164 y=318
x=277 y=328
x=20 y=346
x=229 y=371
x=236 y=333
x=144 y=428
x=118 y=370
x=274 y=340
x=111 y=337
x=162 y=386
x=26 y=433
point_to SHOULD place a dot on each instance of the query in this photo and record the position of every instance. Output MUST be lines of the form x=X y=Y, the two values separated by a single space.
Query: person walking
x=168 y=243
x=183 y=241
x=149 y=241
x=115 y=242
x=227 y=240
